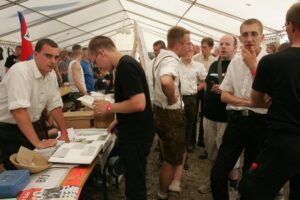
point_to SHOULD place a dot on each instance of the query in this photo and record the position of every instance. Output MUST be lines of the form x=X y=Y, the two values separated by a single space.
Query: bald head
x=228 y=46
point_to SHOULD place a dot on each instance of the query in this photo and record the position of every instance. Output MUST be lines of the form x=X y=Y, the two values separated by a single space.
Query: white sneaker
x=204 y=188
x=233 y=194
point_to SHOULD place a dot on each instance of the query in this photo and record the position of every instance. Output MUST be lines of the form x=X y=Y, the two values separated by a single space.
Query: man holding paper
x=133 y=111
x=25 y=91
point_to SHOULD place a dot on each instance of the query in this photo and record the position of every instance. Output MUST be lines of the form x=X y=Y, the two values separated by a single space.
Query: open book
x=83 y=148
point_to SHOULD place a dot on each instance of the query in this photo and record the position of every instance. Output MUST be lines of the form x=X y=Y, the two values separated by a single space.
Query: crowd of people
x=248 y=104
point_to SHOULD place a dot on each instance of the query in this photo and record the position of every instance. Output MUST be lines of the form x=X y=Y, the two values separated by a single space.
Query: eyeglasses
x=94 y=62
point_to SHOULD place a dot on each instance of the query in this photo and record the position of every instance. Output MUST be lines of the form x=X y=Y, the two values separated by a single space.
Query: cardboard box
x=103 y=120
x=78 y=119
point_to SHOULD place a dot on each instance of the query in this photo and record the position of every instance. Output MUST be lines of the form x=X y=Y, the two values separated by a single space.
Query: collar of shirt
x=37 y=73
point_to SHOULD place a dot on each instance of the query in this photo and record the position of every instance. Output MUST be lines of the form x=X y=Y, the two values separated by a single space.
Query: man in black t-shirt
x=133 y=111
x=278 y=75
x=215 y=114
x=12 y=59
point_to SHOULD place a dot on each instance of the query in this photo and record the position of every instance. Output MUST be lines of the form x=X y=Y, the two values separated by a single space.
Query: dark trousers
x=199 y=100
x=134 y=158
x=190 y=118
x=278 y=162
x=242 y=133
x=11 y=138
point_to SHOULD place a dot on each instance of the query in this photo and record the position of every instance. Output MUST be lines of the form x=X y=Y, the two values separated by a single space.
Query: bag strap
x=220 y=76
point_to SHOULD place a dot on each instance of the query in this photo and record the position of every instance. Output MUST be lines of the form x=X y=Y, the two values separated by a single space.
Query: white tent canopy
x=76 y=21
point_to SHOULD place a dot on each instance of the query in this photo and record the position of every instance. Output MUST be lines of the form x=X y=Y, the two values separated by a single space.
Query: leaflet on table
x=65 y=192
x=83 y=148
x=49 y=178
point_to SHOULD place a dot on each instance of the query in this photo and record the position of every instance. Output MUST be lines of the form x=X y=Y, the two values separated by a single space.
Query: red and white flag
x=26 y=49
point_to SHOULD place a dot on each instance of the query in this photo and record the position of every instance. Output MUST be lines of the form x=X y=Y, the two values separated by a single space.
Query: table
x=77 y=176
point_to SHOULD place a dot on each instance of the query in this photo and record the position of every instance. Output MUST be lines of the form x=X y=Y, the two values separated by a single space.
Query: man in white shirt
x=206 y=58
x=246 y=127
x=157 y=46
x=25 y=91
x=192 y=76
x=168 y=110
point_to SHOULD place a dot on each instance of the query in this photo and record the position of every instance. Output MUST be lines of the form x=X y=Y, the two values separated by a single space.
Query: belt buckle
x=245 y=113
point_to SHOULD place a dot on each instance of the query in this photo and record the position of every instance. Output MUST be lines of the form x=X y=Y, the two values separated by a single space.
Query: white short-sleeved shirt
x=189 y=76
x=25 y=87
x=149 y=77
x=167 y=66
x=205 y=61
x=238 y=80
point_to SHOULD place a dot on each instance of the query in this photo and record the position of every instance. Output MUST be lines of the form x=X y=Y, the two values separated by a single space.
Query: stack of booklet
x=84 y=146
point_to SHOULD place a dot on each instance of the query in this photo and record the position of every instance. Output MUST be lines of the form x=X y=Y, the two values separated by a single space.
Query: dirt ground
x=192 y=178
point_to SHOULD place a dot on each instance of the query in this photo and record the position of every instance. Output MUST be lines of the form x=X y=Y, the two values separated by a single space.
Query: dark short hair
x=293 y=15
x=209 y=41
x=45 y=41
x=252 y=21
x=85 y=48
x=175 y=35
x=99 y=42
x=160 y=43
x=76 y=47
x=18 y=47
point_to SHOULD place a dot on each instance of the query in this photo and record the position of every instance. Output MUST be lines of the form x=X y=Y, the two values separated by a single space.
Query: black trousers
x=199 y=99
x=278 y=162
x=11 y=138
x=134 y=158
x=242 y=133
x=190 y=118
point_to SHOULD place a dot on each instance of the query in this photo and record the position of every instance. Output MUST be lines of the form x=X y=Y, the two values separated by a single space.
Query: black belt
x=245 y=113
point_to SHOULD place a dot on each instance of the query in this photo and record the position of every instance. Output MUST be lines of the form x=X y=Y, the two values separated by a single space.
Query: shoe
x=190 y=149
x=204 y=188
x=203 y=154
x=174 y=195
x=162 y=195
x=186 y=165
x=233 y=194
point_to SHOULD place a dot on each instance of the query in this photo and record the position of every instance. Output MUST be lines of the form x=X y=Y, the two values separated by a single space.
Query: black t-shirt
x=11 y=60
x=131 y=80
x=278 y=75
x=214 y=108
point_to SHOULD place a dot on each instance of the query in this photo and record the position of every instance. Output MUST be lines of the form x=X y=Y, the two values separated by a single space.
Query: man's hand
x=216 y=88
x=99 y=106
x=42 y=144
x=249 y=57
x=64 y=137
x=112 y=126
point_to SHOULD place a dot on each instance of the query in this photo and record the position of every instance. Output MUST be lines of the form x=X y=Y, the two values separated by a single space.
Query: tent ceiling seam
x=82 y=24
x=101 y=34
x=48 y=17
x=225 y=14
x=192 y=4
x=176 y=16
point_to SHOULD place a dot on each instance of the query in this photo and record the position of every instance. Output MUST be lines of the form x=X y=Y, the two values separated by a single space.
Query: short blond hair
x=175 y=35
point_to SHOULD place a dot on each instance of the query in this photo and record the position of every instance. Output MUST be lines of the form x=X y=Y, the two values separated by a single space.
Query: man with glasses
x=25 y=91
x=278 y=76
x=246 y=127
x=134 y=119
